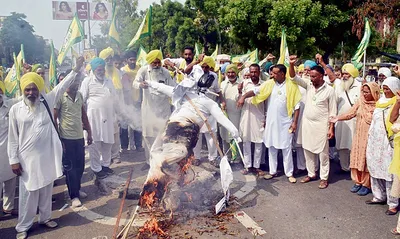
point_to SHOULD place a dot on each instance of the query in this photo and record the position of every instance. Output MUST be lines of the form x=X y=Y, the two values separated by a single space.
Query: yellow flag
x=284 y=51
x=113 y=33
x=12 y=79
x=215 y=53
x=141 y=59
x=144 y=28
x=52 y=68
x=74 y=35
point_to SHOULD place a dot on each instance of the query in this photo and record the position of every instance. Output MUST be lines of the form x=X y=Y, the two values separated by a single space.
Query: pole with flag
x=74 y=35
x=144 y=28
x=284 y=50
x=362 y=48
x=113 y=33
x=12 y=79
x=53 y=68
x=215 y=53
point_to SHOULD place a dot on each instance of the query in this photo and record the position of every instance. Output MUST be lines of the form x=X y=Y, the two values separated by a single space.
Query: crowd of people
x=312 y=110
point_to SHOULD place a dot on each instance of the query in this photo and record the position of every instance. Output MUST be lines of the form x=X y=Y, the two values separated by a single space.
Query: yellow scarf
x=387 y=121
x=114 y=75
x=293 y=95
x=132 y=74
x=179 y=77
x=394 y=167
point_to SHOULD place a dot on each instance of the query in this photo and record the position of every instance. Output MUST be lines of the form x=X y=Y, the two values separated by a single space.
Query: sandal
x=245 y=171
x=13 y=212
x=50 y=224
x=259 y=172
x=307 y=179
x=395 y=232
x=323 y=184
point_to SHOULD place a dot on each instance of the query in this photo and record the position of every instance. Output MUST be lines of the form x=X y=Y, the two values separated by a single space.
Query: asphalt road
x=281 y=209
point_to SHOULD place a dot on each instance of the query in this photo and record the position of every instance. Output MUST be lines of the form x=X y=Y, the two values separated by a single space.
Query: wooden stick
x=207 y=124
x=126 y=228
x=121 y=206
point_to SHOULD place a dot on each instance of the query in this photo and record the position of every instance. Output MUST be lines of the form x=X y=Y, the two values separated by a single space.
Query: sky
x=39 y=15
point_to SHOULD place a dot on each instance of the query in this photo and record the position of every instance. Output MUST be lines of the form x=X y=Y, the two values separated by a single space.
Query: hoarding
x=99 y=11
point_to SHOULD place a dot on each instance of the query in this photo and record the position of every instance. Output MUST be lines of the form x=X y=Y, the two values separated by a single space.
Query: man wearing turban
x=34 y=148
x=348 y=93
x=156 y=107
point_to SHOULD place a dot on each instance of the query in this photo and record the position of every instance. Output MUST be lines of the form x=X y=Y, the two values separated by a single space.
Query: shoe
x=123 y=151
x=269 y=176
x=107 y=170
x=363 y=191
x=259 y=172
x=82 y=194
x=373 y=202
x=22 y=235
x=323 y=184
x=292 y=179
x=307 y=179
x=140 y=149
x=76 y=203
x=391 y=212
x=101 y=174
x=50 y=224
x=116 y=160
x=355 y=188
x=13 y=212
x=196 y=162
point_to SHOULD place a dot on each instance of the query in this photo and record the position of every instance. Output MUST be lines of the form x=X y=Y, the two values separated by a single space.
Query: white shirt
x=33 y=141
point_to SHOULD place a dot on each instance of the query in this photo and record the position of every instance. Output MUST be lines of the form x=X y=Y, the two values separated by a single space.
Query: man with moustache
x=320 y=105
x=348 y=93
x=156 y=107
x=185 y=64
x=34 y=148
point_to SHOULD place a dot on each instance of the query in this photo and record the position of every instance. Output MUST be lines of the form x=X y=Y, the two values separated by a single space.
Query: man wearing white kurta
x=34 y=148
x=98 y=94
x=348 y=93
x=252 y=123
x=8 y=179
x=319 y=107
x=156 y=107
x=229 y=89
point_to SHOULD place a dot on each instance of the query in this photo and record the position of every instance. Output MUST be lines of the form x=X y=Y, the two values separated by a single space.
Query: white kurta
x=298 y=134
x=231 y=94
x=156 y=107
x=277 y=124
x=33 y=141
x=5 y=169
x=345 y=130
x=253 y=116
x=319 y=107
x=99 y=98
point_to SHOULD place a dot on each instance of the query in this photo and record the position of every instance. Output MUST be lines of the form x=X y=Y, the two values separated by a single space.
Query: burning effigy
x=172 y=152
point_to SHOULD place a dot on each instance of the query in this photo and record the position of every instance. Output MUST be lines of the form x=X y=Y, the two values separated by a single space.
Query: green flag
x=251 y=56
x=284 y=50
x=356 y=59
x=53 y=68
x=144 y=28
x=74 y=35
x=215 y=53
x=113 y=33
x=141 y=57
x=12 y=79
x=197 y=51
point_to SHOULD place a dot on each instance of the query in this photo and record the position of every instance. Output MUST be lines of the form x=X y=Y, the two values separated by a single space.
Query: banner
x=362 y=47
x=144 y=28
x=53 y=68
x=74 y=35
x=99 y=10
x=113 y=33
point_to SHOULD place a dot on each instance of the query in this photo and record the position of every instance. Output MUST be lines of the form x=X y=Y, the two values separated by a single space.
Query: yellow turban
x=104 y=54
x=232 y=67
x=2 y=87
x=351 y=69
x=32 y=77
x=153 y=55
x=300 y=68
x=209 y=61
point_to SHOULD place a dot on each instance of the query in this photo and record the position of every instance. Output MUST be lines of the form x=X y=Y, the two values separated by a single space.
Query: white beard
x=346 y=84
x=32 y=105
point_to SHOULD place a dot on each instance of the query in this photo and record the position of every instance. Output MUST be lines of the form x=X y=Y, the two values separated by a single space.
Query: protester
x=69 y=111
x=34 y=148
x=383 y=73
x=319 y=107
x=182 y=65
x=99 y=96
x=252 y=123
x=362 y=111
x=155 y=108
x=379 y=149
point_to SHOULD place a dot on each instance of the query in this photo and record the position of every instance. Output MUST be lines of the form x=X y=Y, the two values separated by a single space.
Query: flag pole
x=365 y=60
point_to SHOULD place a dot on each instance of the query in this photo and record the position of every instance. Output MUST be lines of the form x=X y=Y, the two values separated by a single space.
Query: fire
x=189 y=196
x=148 y=199
x=186 y=166
x=152 y=227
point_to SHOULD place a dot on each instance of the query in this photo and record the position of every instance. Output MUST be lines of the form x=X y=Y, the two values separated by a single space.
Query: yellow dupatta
x=132 y=74
x=179 y=76
x=293 y=95
x=114 y=76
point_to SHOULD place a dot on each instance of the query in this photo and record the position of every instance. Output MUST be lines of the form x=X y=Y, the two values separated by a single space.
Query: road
x=277 y=208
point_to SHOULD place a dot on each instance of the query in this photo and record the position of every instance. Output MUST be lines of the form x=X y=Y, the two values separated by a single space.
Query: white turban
x=385 y=71
x=393 y=83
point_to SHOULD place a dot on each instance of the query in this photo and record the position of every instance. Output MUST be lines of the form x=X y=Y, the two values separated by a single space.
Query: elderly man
x=283 y=99
x=114 y=74
x=252 y=123
x=34 y=148
x=156 y=107
x=133 y=98
x=71 y=114
x=347 y=92
x=99 y=96
x=229 y=89
x=8 y=180
x=320 y=105
x=383 y=73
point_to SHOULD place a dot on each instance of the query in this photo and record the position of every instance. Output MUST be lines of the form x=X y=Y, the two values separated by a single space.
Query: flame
x=186 y=166
x=189 y=196
x=152 y=227
x=148 y=199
